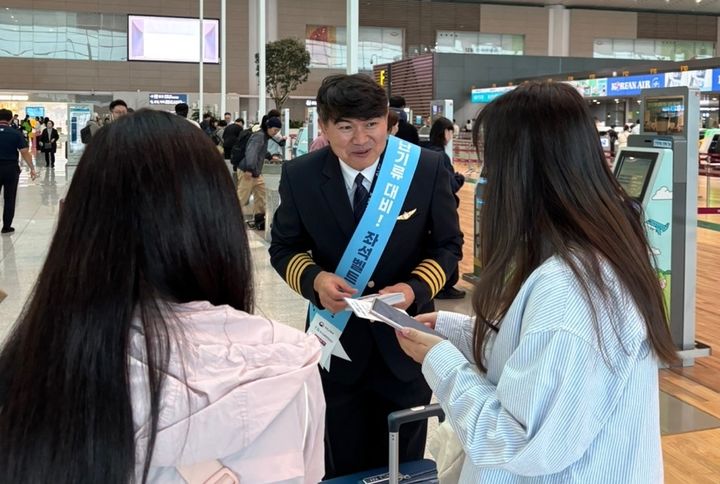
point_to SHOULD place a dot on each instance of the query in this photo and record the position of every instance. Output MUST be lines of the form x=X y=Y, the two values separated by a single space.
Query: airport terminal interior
x=649 y=71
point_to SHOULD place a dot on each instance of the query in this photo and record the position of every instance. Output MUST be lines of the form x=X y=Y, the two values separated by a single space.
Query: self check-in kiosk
x=78 y=116
x=658 y=168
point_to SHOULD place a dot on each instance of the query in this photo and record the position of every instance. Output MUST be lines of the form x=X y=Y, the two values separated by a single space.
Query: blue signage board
x=632 y=85
x=162 y=98
x=716 y=80
x=484 y=96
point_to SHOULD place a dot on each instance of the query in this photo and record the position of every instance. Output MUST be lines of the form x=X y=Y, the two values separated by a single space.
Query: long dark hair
x=151 y=218
x=550 y=193
x=437 y=131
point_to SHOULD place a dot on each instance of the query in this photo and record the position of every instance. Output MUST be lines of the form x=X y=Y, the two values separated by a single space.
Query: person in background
x=318 y=143
x=441 y=133
x=207 y=124
x=392 y=122
x=155 y=369
x=276 y=144
x=48 y=140
x=636 y=127
x=468 y=126
x=251 y=182
x=623 y=137
x=555 y=378
x=27 y=128
x=406 y=131
x=15 y=122
x=118 y=109
x=456 y=129
x=219 y=132
x=612 y=138
x=94 y=124
x=182 y=110
x=230 y=136
x=12 y=143
x=228 y=119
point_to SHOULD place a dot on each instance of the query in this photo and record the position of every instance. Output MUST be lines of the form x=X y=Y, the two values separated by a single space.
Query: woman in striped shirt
x=555 y=378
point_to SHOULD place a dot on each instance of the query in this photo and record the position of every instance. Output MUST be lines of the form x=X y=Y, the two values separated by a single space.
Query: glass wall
x=448 y=41
x=377 y=45
x=651 y=49
x=44 y=34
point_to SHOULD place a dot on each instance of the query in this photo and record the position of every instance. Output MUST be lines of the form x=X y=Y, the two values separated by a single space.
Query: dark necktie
x=360 y=199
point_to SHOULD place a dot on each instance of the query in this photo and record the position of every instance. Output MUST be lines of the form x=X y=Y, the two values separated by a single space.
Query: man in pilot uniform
x=323 y=198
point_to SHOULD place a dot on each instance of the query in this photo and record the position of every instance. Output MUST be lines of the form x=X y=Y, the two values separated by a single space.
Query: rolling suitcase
x=415 y=472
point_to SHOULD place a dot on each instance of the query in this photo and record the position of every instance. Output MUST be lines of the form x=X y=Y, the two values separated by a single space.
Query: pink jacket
x=237 y=393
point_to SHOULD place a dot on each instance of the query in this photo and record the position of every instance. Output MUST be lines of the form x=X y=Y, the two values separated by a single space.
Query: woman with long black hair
x=136 y=358
x=555 y=379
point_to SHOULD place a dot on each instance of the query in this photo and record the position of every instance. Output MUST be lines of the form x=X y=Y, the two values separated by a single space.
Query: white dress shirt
x=349 y=175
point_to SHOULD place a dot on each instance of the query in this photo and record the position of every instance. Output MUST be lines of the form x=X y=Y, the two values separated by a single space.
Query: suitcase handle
x=396 y=419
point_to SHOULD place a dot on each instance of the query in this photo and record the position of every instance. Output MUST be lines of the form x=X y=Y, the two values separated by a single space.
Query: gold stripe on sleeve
x=429 y=279
x=299 y=273
x=439 y=270
x=295 y=267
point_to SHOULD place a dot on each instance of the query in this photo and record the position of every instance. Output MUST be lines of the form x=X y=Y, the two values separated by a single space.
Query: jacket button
x=371 y=284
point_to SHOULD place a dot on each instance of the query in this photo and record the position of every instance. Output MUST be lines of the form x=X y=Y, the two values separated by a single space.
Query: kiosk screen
x=664 y=115
x=633 y=172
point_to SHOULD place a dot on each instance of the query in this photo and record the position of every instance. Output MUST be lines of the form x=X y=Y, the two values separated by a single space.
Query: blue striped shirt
x=553 y=407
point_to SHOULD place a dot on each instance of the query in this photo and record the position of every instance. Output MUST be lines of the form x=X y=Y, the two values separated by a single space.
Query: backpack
x=237 y=155
x=85 y=135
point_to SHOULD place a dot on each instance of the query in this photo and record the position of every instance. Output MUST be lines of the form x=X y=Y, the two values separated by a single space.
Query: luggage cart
x=415 y=472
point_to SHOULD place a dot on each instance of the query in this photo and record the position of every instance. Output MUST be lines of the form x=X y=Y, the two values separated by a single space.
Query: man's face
x=242 y=125
x=358 y=142
x=228 y=118
x=118 y=111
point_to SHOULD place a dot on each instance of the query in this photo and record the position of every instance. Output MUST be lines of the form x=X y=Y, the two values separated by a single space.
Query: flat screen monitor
x=664 y=115
x=634 y=170
x=172 y=39
x=35 y=111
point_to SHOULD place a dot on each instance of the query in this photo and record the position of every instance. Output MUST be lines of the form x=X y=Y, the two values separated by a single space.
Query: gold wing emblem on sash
x=407 y=215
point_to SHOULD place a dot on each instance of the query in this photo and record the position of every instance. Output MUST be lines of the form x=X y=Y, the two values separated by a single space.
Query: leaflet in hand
x=361 y=306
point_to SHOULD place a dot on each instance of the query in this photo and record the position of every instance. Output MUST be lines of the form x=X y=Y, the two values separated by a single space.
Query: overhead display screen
x=172 y=39
x=633 y=172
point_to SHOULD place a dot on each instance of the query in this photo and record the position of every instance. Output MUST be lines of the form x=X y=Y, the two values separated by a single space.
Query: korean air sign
x=632 y=85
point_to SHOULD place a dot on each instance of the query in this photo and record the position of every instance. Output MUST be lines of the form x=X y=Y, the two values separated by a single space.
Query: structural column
x=201 y=74
x=262 y=26
x=223 y=51
x=353 y=33
x=558 y=31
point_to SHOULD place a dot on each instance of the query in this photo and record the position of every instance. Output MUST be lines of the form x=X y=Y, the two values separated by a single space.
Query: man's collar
x=349 y=173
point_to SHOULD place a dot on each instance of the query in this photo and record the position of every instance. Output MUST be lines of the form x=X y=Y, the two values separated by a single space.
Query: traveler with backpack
x=251 y=182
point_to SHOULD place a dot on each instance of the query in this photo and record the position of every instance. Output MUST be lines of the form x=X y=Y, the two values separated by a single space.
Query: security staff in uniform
x=311 y=230
x=11 y=142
